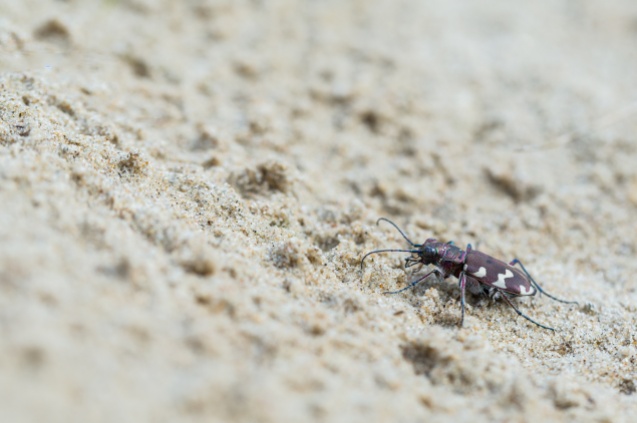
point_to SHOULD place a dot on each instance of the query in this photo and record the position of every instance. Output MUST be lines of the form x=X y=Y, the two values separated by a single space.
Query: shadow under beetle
x=473 y=269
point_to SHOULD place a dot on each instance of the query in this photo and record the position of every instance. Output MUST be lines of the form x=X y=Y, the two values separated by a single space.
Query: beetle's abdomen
x=493 y=272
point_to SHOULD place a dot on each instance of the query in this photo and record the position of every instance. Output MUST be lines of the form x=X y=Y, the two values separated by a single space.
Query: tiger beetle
x=474 y=269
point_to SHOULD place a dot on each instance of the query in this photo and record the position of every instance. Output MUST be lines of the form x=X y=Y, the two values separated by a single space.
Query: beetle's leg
x=506 y=298
x=535 y=284
x=414 y=283
x=411 y=261
x=463 y=285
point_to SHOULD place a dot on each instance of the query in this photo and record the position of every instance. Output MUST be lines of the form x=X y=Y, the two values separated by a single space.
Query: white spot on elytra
x=500 y=283
x=481 y=273
x=525 y=291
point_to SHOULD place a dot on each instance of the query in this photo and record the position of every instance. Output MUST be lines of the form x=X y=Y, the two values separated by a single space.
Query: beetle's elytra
x=472 y=268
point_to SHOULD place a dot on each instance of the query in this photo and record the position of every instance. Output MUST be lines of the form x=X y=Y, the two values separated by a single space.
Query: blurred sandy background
x=187 y=189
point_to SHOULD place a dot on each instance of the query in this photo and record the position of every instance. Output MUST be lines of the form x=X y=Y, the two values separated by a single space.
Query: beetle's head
x=428 y=252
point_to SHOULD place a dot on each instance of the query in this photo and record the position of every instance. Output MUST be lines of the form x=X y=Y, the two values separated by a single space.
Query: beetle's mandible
x=472 y=268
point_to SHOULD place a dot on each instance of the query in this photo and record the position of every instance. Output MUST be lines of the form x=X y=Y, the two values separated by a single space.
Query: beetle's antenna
x=398 y=229
x=391 y=250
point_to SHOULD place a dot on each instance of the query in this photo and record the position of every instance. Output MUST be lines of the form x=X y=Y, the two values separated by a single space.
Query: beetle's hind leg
x=506 y=298
x=536 y=285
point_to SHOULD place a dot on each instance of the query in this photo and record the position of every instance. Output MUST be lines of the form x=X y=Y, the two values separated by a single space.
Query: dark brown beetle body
x=472 y=268
x=497 y=274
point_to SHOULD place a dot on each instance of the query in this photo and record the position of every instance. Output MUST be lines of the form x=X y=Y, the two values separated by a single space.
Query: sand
x=187 y=190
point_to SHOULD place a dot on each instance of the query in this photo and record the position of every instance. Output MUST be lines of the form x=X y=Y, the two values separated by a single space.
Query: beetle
x=474 y=269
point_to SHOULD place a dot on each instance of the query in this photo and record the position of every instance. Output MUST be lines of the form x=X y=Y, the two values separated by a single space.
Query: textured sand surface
x=187 y=189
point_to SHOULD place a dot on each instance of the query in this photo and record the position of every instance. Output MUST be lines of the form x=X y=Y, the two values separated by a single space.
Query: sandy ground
x=187 y=190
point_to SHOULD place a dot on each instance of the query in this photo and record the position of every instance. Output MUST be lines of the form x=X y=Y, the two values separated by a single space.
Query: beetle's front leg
x=463 y=287
x=414 y=283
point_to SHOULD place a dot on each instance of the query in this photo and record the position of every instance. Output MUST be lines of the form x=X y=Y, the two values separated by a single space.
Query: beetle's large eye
x=429 y=254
